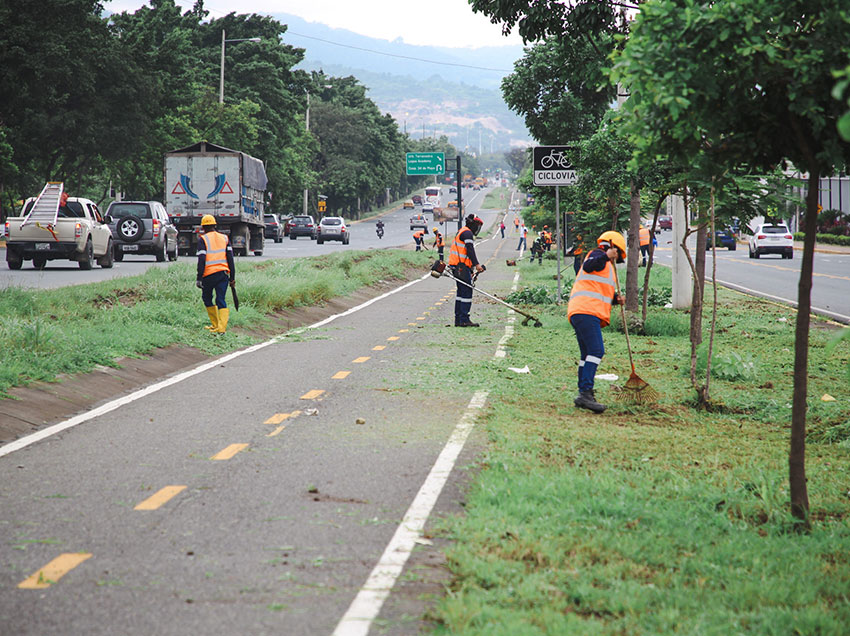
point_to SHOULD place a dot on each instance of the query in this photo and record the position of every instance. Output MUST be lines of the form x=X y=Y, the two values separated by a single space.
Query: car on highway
x=665 y=222
x=452 y=189
x=274 y=228
x=428 y=207
x=772 y=238
x=723 y=238
x=419 y=221
x=408 y=205
x=285 y=222
x=302 y=225
x=417 y=199
x=142 y=227
x=333 y=228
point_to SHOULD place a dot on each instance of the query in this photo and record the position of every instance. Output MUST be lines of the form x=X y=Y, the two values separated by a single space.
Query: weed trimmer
x=635 y=389
x=438 y=269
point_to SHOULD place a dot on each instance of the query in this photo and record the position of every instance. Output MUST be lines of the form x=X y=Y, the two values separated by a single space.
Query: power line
x=404 y=57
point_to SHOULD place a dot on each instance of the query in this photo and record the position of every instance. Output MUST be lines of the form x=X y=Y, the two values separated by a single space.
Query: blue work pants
x=218 y=282
x=463 y=297
x=589 y=335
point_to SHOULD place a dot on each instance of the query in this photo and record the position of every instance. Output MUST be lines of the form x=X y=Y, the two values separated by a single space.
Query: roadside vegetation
x=50 y=332
x=654 y=519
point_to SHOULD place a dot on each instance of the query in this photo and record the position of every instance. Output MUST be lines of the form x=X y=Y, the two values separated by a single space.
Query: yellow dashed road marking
x=160 y=498
x=54 y=571
x=230 y=451
x=393 y=337
x=379 y=348
x=277 y=418
x=420 y=318
x=312 y=395
x=360 y=360
x=341 y=375
x=411 y=324
x=276 y=431
x=406 y=330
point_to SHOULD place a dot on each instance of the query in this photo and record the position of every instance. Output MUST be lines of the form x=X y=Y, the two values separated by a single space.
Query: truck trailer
x=228 y=184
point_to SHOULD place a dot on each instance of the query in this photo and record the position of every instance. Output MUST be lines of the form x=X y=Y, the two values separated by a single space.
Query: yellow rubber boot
x=223 y=317
x=214 y=318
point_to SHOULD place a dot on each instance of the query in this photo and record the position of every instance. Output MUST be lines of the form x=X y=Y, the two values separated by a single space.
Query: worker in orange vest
x=462 y=260
x=438 y=243
x=216 y=270
x=419 y=237
x=577 y=252
x=644 y=238
x=516 y=224
x=589 y=309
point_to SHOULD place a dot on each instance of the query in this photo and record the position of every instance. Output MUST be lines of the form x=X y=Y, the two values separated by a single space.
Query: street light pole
x=307 y=122
x=221 y=74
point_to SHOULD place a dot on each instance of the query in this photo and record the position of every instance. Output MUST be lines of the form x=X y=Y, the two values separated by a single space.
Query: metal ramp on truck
x=45 y=208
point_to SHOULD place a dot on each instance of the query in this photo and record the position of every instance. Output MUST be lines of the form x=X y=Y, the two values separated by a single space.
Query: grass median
x=654 y=519
x=73 y=329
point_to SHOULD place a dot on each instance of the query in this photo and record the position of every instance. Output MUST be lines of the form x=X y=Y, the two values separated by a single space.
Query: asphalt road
x=775 y=278
x=246 y=499
x=397 y=233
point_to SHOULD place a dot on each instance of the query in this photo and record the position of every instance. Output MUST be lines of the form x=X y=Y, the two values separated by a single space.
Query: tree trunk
x=651 y=258
x=705 y=394
x=797 y=454
x=634 y=252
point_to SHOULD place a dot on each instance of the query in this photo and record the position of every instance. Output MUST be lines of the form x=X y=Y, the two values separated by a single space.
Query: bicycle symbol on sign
x=555 y=158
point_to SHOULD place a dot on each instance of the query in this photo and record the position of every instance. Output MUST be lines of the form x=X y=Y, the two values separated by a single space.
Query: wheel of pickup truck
x=130 y=228
x=108 y=259
x=88 y=256
x=13 y=261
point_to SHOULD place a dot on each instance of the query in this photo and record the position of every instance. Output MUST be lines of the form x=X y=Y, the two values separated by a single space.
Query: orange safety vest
x=419 y=234
x=438 y=240
x=516 y=222
x=593 y=294
x=216 y=253
x=643 y=236
x=457 y=253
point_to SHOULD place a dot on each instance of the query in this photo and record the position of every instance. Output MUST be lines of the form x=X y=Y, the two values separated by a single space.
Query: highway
x=397 y=233
x=775 y=278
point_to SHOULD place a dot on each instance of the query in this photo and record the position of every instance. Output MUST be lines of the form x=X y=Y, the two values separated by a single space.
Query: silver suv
x=142 y=227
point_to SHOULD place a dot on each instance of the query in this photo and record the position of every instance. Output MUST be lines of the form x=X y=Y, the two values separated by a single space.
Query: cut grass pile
x=654 y=519
x=49 y=332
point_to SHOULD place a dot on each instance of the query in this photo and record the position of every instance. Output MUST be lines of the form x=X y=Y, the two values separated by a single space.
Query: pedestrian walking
x=516 y=224
x=216 y=270
x=523 y=231
x=462 y=260
x=589 y=309
x=643 y=238
x=502 y=228
x=438 y=243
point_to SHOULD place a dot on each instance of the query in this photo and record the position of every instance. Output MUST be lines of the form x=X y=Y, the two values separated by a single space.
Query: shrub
x=537 y=295
x=727 y=365
x=830 y=239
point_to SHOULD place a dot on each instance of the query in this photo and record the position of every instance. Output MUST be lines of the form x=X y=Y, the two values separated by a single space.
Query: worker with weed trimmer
x=216 y=270
x=462 y=260
x=589 y=309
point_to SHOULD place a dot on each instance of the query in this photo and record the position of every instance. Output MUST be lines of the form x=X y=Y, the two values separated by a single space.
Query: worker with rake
x=589 y=309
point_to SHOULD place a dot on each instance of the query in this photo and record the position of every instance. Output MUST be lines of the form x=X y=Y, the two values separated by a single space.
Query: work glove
x=199 y=284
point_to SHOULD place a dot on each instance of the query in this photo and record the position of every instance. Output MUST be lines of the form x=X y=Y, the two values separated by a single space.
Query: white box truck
x=230 y=185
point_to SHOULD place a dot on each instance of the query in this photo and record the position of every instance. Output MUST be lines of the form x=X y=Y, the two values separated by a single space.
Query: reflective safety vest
x=457 y=253
x=216 y=248
x=419 y=234
x=439 y=240
x=593 y=294
x=643 y=235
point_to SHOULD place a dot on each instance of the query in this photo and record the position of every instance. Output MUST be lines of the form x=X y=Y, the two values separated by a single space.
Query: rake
x=635 y=390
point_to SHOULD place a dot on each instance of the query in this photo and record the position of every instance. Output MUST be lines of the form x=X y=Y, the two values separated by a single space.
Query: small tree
x=745 y=83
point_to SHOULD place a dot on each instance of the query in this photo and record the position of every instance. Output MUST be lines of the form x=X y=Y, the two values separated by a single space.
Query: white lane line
x=153 y=388
x=367 y=604
x=509 y=328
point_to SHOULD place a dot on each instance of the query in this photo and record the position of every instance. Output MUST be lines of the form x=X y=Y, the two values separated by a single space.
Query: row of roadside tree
x=95 y=99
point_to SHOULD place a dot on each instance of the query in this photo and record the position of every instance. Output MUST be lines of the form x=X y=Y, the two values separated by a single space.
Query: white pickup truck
x=74 y=231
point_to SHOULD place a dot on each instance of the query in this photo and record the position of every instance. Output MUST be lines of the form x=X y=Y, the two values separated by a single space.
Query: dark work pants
x=589 y=335
x=218 y=282
x=577 y=264
x=463 y=299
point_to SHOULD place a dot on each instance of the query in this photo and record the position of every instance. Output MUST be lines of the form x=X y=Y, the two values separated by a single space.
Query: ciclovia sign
x=552 y=166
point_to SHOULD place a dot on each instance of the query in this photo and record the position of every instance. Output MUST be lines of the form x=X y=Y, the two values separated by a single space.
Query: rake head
x=636 y=391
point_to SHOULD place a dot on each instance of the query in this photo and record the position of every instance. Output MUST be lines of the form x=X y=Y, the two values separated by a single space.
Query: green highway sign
x=426 y=163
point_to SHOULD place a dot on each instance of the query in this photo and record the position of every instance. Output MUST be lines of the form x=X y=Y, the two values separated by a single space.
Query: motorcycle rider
x=379 y=229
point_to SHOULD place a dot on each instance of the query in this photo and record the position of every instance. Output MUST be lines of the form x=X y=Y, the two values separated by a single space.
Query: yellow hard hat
x=436 y=229
x=208 y=219
x=616 y=239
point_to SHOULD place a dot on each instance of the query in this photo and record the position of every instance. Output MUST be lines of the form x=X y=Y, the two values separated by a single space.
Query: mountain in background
x=426 y=99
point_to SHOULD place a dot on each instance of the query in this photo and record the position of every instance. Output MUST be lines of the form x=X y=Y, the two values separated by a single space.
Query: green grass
x=494 y=200
x=50 y=332
x=655 y=519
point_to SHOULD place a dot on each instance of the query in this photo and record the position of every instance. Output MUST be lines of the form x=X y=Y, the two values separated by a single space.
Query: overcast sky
x=434 y=22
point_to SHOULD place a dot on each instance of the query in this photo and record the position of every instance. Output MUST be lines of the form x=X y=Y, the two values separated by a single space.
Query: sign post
x=553 y=167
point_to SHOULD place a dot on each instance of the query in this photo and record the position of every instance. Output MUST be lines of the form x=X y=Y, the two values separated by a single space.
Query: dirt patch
x=41 y=404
